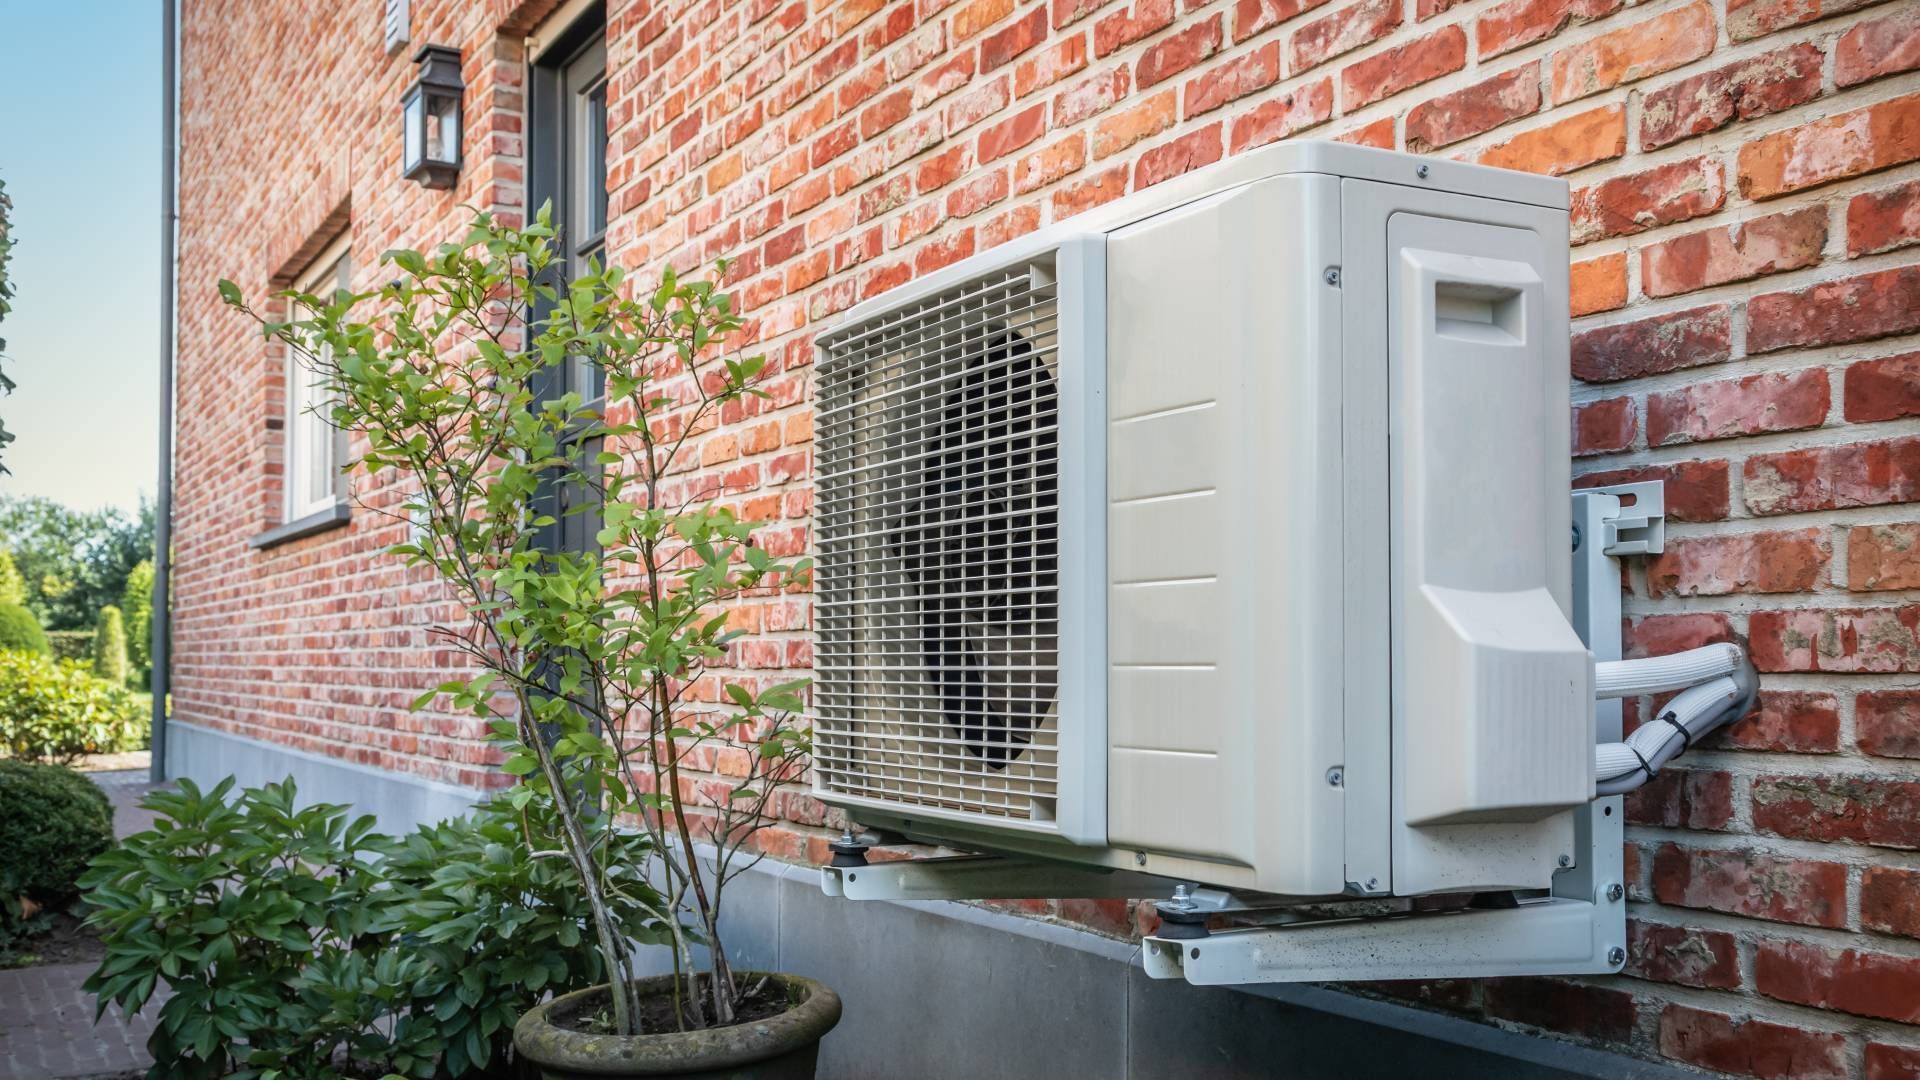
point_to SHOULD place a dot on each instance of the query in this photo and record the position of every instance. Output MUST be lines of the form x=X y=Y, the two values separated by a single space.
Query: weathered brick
x=1752 y=884
x=1832 y=477
x=1884 y=389
x=1739 y=252
x=1836 y=312
x=1278 y=117
x=1744 y=90
x=1233 y=79
x=1887 y=723
x=1766 y=562
x=1787 y=721
x=1883 y=557
x=1122 y=129
x=1048 y=164
x=972 y=18
x=1122 y=28
x=1709 y=959
x=1250 y=17
x=1516 y=23
x=1343 y=31
x=1085 y=194
x=1592 y=1011
x=1670 y=342
x=1883 y=220
x=1636 y=202
x=999 y=139
x=1479 y=108
x=1598 y=284
x=1094 y=94
x=1658 y=635
x=1184 y=154
x=1176 y=53
x=1696 y=490
x=1003 y=46
x=1885 y=1061
x=1750 y=1046
x=1633 y=52
x=1847 y=640
x=1854 y=981
x=1865 y=140
x=1890 y=900
x=1388 y=73
x=1676 y=798
x=1604 y=427
x=1378 y=133
x=1058 y=61
x=979 y=192
x=1878 y=47
x=1776 y=401
x=1564 y=145
x=1748 y=19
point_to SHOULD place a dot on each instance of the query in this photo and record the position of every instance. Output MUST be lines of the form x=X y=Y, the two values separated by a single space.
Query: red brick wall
x=1746 y=286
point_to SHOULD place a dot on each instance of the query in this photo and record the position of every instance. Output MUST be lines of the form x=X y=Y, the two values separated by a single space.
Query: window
x=567 y=131
x=315 y=450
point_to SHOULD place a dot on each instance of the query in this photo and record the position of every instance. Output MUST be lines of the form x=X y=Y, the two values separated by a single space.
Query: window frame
x=303 y=428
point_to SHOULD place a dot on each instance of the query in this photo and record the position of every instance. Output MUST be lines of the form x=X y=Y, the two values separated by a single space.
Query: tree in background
x=6 y=302
x=136 y=604
x=110 y=646
x=13 y=587
x=74 y=562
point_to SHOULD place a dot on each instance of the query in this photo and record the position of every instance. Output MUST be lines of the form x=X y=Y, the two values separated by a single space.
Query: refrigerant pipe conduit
x=1717 y=685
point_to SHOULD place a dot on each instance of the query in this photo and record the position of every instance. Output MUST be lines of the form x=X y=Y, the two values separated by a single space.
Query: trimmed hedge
x=56 y=710
x=20 y=630
x=75 y=645
x=53 y=821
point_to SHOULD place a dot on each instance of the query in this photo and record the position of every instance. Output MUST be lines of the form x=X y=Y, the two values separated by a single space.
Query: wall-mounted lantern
x=432 y=110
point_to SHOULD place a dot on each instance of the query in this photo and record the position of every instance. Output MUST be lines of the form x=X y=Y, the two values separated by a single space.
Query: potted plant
x=507 y=418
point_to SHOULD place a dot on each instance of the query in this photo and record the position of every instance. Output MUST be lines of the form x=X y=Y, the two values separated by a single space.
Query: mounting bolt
x=1615 y=892
x=1333 y=276
x=1373 y=884
x=1336 y=776
x=1616 y=956
x=1565 y=861
x=1139 y=858
x=1422 y=172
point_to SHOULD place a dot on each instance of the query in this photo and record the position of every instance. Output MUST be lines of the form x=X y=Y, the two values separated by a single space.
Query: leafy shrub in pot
x=298 y=942
x=520 y=413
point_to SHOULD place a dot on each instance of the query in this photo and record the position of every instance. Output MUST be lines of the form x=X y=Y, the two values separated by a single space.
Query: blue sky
x=80 y=155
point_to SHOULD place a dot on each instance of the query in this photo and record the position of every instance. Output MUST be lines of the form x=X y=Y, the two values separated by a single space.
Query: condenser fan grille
x=937 y=656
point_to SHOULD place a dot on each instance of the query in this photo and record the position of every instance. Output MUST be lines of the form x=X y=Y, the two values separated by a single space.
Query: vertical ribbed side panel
x=938 y=657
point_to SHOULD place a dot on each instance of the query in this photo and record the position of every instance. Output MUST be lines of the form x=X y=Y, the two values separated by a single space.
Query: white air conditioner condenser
x=1219 y=532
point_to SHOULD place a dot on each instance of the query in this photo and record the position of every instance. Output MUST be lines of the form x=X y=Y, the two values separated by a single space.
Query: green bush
x=55 y=710
x=75 y=645
x=13 y=587
x=110 y=646
x=20 y=630
x=52 y=821
x=292 y=937
x=136 y=602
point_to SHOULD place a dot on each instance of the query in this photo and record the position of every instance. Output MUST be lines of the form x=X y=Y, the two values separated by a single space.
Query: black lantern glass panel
x=430 y=110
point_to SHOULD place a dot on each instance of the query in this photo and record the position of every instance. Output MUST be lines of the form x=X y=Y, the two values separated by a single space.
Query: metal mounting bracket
x=974 y=877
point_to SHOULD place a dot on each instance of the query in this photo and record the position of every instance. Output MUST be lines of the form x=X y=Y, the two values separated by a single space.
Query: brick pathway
x=46 y=1021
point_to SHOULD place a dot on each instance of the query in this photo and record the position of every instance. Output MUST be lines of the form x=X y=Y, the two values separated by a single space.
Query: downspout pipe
x=163 y=508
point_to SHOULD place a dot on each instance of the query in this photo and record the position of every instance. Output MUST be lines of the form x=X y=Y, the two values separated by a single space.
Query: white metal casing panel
x=1224 y=533
x=1460 y=600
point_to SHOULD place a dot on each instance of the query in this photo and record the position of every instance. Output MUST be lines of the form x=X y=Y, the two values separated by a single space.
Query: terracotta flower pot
x=783 y=1047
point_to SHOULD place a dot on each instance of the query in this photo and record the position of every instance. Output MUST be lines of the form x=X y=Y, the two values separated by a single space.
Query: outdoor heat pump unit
x=1214 y=546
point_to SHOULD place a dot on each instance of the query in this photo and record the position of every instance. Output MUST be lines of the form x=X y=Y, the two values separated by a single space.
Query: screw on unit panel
x=1373 y=884
x=1616 y=956
x=1615 y=892
x=1421 y=172
x=1139 y=858
x=1565 y=861
x=1336 y=776
x=1333 y=276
